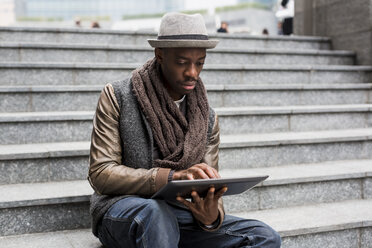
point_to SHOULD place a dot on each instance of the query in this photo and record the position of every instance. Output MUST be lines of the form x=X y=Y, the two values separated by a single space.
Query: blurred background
x=242 y=16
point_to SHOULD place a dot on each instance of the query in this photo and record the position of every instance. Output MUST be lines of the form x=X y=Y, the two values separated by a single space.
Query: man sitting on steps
x=156 y=127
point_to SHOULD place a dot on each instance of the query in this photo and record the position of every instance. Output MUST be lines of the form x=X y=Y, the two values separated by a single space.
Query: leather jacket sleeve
x=107 y=175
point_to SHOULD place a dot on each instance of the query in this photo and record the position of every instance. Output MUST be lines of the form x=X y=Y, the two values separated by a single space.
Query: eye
x=200 y=63
x=181 y=62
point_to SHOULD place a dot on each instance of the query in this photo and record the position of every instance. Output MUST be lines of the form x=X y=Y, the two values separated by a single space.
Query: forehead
x=188 y=53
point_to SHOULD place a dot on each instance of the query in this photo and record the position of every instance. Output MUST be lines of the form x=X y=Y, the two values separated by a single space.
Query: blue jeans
x=138 y=222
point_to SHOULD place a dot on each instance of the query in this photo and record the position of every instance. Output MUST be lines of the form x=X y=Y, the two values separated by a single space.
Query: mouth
x=189 y=85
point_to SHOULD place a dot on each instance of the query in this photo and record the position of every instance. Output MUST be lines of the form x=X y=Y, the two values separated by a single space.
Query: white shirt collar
x=178 y=102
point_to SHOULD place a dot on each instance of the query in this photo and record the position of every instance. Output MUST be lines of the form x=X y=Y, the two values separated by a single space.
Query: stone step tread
x=290 y=221
x=44 y=150
x=221 y=111
x=63 y=149
x=280 y=138
x=280 y=86
x=15 y=195
x=209 y=87
x=67 y=65
x=109 y=31
x=73 y=46
x=325 y=217
x=80 y=238
x=247 y=110
x=46 y=116
x=302 y=173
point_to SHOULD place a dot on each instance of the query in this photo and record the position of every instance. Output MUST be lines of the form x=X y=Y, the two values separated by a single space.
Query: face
x=181 y=68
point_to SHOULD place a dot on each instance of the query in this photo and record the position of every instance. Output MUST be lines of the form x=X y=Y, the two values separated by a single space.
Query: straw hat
x=181 y=30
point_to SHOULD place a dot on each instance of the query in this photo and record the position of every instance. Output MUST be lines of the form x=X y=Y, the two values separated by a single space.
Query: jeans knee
x=151 y=204
x=139 y=222
x=157 y=210
x=154 y=206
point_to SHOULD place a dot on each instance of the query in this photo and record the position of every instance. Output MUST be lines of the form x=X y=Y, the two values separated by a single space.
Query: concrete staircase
x=289 y=107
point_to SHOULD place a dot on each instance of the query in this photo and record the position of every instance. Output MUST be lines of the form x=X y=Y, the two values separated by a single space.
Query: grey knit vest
x=136 y=141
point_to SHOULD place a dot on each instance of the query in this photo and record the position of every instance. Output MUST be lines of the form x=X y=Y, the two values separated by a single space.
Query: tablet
x=184 y=188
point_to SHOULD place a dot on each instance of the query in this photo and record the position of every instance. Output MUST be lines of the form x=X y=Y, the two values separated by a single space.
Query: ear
x=159 y=55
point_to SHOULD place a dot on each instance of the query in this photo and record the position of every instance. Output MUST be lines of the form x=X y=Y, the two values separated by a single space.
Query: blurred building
x=137 y=15
x=69 y=9
x=347 y=23
x=7 y=12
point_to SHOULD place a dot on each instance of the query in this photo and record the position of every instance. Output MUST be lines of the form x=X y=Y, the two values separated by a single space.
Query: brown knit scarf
x=180 y=139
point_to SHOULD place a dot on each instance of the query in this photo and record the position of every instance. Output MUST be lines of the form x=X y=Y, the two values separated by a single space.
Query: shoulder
x=122 y=89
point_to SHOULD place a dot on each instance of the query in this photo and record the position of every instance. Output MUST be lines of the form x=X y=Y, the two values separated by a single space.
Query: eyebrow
x=181 y=57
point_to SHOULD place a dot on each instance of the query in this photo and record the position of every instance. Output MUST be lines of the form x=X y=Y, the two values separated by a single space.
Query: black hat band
x=183 y=37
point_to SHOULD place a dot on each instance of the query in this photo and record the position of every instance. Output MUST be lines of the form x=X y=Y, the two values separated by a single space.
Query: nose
x=192 y=72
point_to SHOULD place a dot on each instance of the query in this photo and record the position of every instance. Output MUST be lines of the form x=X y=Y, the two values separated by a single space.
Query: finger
x=195 y=197
x=184 y=201
x=200 y=173
x=220 y=193
x=211 y=172
x=216 y=174
x=190 y=176
x=210 y=195
x=207 y=170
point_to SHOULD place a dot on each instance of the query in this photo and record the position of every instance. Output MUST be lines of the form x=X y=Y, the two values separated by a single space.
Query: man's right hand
x=197 y=171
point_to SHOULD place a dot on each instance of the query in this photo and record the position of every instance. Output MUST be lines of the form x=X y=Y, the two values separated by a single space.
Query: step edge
x=209 y=87
x=211 y=67
x=56 y=116
x=110 y=31
x=131 y=48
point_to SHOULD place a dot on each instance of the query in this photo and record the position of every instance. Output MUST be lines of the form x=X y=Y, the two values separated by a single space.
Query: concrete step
x=42 y=127
x=287 y=94
x=31 y=163
x=86 y=36
x=29 y=208
x=39 y=127
x=300 y=184
x=28 y=205
x=245 y=120
x=45 y=162
x=90 y=74
x=42 y=98
x=331 y=228
x=333 y=225
x=82 y=238
x=23 y=52
x=274 y=149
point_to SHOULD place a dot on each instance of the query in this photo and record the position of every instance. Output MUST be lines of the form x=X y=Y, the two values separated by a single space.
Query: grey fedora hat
x=181 y=30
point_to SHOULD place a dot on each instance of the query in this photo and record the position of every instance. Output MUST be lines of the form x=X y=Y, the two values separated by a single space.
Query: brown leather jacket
x=108 y=176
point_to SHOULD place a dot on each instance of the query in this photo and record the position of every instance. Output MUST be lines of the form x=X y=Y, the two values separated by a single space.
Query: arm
x=208 y=167
x=106 y=173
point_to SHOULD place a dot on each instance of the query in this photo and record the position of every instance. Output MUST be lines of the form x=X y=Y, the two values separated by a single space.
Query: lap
x=234 y=230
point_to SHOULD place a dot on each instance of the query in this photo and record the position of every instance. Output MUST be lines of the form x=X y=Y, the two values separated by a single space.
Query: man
x=223 y=28
x=285 y=15
x=156 y=127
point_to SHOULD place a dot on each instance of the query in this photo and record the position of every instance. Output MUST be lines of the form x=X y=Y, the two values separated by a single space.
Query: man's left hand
x=205 y=209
